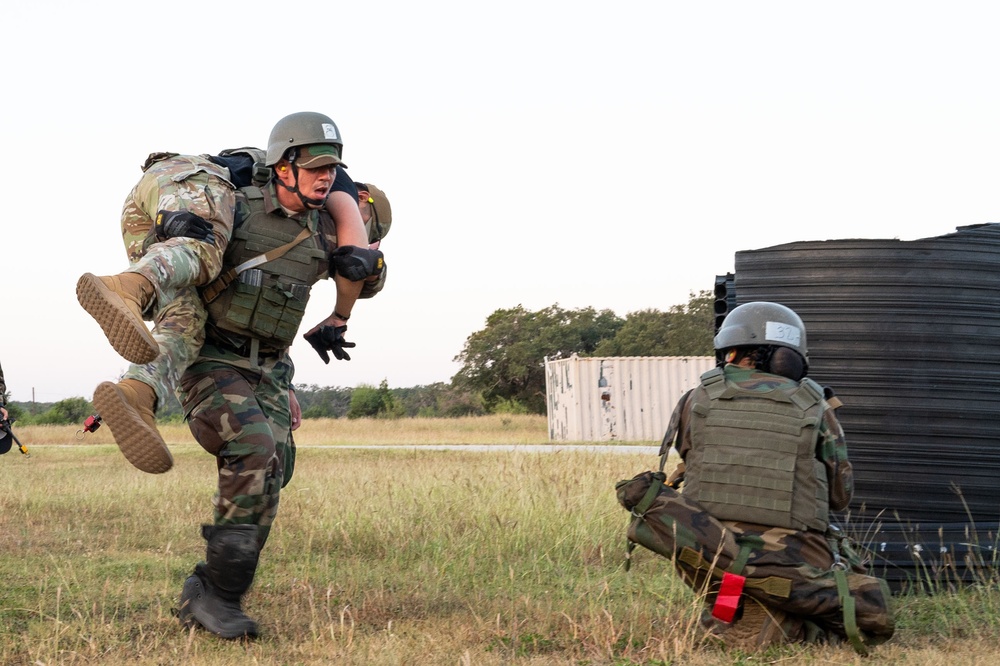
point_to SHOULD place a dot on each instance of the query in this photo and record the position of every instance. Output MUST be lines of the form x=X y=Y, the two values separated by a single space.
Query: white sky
x=613 y=155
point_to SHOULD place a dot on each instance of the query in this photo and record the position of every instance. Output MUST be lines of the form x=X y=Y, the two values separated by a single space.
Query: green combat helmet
x=381 y=220
x=302 y=129
x=762 y=324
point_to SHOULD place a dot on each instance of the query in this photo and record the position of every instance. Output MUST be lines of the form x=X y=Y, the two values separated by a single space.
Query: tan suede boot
x=760 y=627
x=117 y=302
x=128 y=410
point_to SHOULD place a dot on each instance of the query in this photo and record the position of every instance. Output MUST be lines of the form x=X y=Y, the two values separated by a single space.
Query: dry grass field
x=495 y=429
x=382 y=556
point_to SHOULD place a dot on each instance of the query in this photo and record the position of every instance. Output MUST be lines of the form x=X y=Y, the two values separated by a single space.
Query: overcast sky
x=613 y=155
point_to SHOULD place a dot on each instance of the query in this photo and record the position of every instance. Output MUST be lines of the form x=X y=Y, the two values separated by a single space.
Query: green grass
x=382 y=557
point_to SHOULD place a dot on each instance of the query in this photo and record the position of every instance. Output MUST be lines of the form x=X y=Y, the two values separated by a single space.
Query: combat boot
x=211 y=596
x=129 y=410
x=116 y=303
x=759 y=627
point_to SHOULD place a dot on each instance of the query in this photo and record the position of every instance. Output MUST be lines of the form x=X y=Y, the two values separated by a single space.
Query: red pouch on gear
x=728 y=599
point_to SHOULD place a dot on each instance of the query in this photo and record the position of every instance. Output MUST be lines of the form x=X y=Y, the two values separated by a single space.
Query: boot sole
x=129 y=337
x=140 y=444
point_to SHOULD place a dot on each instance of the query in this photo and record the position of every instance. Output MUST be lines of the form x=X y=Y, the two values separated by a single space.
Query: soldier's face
x=312 y=184
x=316 y=183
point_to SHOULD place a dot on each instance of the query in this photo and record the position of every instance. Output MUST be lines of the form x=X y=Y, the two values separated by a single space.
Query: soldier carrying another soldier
x=264 y=247
x=176 y=223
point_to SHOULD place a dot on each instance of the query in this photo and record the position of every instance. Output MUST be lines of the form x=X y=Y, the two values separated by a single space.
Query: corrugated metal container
x=625 y=398
x=908 y=334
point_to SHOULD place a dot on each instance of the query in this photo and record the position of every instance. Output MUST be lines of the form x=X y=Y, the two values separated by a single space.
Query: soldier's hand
x=177 y=223
x=357 y=263
x=330 y=338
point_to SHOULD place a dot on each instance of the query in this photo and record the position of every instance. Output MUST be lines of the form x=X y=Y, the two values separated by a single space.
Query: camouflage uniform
x=176 y=183
x=3 y=390
x=238 y=404
x=787 y=569
x=240 y=414
x=185 y=183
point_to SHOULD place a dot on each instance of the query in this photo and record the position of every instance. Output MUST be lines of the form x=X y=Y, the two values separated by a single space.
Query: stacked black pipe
x=908 y=334
x=725 y=297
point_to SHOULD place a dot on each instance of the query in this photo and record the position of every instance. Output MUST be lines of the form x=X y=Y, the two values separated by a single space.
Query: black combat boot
x=211 y=595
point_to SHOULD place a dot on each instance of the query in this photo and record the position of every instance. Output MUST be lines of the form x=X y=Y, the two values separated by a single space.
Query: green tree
x=65 y=412
x=419 y=400
x=365 y=402
x=505 y=360
x=368 y=401
x=389 y=408
x=684 y=330
x=14 y=411
x=454 y=401
x=326 y=402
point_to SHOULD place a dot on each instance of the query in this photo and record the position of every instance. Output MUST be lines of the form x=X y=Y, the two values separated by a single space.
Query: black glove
x=356 y=263
x=330 y=338
x=174 y=223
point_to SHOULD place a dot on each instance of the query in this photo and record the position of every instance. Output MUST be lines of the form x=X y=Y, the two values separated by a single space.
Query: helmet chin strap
x=308 y=202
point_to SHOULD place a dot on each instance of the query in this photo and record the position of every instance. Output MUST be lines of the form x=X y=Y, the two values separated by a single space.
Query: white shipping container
x=618 y=398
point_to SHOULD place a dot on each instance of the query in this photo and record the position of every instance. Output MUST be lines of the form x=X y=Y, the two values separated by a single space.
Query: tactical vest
x=268 y=302
x=753 y=454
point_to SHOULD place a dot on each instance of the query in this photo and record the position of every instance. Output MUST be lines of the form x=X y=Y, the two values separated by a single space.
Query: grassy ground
x=495 y=429
x=381 y=557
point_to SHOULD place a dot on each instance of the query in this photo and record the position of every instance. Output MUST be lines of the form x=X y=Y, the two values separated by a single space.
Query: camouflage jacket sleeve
x=369 y=289
x=3 y=389
x=678 y=433
x=327 y=229
x=831 y=450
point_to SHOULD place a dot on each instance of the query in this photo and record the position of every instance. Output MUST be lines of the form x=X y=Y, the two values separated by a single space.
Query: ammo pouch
x=265 y=304
x=269 y=310
x=840 y=599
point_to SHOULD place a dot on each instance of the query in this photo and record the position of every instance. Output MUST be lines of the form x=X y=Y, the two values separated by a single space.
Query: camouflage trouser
x=241 y=416
x=176 y=264
x=792 y=571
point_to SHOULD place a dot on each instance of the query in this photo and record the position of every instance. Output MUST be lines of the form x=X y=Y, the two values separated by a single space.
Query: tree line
x=502 y=365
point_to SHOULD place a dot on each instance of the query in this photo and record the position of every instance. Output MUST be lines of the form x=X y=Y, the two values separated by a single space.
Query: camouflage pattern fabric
x=179 y=330
x=176 y=182
x=369 y=289
x=3 y=388
x=792 y=571
x=179 y=183
x=241 y=416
